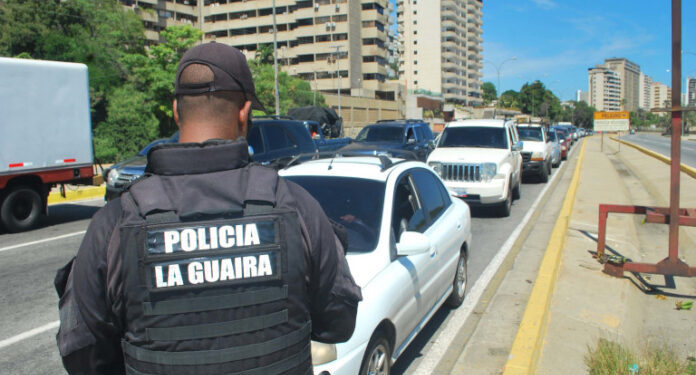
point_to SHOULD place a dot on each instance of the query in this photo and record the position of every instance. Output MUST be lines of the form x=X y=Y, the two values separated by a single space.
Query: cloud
x=545 y=4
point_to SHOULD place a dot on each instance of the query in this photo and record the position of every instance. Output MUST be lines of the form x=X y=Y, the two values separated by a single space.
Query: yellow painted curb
x=74 y=195
x=528 y=342
x=684 y=168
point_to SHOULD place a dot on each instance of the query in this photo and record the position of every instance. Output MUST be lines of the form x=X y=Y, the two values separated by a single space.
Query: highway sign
x=611 y=121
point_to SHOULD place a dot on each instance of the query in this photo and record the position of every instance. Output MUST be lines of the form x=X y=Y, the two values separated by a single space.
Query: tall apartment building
x=604 y=88
x=630 y=81
x=318 y=40
x=441 y=48
x=645 y=92
x=661 y=95
x=691 y=91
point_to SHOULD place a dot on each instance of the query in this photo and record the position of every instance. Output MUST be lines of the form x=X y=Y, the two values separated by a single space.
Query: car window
x=410 y=135
x=407 y=212
x=530 y=134
x=430 y=192
x=380 y=134
x=254 y=139
x=344 y=201
x=473 y=136
x=278 y=138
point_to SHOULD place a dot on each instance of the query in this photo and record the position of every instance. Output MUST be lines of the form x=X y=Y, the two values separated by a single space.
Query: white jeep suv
x=536 y=151
x=480 y=161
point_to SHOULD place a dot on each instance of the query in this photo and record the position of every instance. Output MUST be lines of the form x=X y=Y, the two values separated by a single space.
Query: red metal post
x=676 y=131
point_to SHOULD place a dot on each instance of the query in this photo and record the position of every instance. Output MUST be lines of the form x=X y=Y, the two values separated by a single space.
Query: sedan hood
x=468 y=155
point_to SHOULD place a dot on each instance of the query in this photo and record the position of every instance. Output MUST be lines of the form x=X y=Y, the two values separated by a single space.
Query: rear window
x=530 y=134
x=474 y=136
x=380 y=134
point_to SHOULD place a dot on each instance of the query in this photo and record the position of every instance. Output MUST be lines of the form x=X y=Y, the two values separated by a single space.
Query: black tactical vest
x=217 y=292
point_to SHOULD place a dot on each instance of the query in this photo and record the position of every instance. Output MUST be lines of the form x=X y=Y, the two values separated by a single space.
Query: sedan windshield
x=530 y=134
x=380 y=134
x=352 y=202
x=474 y=136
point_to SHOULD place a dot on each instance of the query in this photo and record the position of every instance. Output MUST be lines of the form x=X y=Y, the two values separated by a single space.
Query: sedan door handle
x=433 y=251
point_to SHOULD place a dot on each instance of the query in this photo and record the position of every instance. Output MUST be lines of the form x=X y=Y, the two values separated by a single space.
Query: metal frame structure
x=672 y=215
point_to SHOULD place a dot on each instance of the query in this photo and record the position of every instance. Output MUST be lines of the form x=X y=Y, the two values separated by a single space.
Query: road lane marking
x=447 y=335
x=41 y=241
x=528 y=343
x=29 y=333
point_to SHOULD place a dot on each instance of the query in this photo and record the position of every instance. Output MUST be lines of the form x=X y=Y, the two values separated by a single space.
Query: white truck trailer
x=45 y=135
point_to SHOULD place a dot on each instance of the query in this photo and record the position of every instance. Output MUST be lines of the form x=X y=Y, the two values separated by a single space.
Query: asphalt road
x=662 y=145
x=28 y=262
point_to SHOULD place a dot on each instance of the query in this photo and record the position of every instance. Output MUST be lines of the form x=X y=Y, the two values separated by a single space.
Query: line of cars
x=404 y=201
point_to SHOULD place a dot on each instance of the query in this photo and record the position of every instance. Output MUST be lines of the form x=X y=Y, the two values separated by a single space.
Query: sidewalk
x=585 y=304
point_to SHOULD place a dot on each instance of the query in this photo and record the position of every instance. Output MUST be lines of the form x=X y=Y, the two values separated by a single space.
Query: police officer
x=208 y=264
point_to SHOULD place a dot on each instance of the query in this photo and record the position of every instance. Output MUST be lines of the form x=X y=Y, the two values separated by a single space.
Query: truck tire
x=21 y=209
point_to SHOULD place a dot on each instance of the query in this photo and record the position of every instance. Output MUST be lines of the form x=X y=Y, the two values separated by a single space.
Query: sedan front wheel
x=459 y=285
x=377 y=360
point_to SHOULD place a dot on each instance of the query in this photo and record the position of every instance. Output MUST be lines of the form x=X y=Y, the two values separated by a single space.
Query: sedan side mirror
x=517 y=146
x=412 y=243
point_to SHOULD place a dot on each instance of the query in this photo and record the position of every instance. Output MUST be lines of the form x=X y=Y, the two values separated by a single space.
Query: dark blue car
x=408 y=139
x=271 y=141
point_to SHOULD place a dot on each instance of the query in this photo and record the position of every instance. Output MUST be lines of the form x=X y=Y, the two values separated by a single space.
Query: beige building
x=630 y=81
x=661 y=95
x=604 y=88
x=318 y=40
x=645 y=92
x=441 y=52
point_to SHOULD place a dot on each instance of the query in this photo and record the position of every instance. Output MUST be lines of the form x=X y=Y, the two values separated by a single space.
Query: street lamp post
x=497 y=69
x=275 y=62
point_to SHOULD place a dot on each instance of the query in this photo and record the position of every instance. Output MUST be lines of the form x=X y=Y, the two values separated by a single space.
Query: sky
x=556 y=41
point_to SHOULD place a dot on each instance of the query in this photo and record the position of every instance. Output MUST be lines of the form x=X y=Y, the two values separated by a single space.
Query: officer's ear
x=244 y=113
x=175 y=109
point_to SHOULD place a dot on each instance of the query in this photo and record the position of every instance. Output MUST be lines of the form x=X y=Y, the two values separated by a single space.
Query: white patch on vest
x=214 y=270
x=211 y=238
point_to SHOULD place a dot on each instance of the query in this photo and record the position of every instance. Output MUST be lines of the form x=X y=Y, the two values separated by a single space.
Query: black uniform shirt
x=91 y=299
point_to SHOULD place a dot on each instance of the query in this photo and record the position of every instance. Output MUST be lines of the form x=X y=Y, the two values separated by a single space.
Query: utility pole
x=338 y=77
x=275 y=61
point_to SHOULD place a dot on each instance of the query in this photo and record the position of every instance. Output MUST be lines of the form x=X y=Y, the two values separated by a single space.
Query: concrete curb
x=528 y=342
x=75 y=195
x=684 y=168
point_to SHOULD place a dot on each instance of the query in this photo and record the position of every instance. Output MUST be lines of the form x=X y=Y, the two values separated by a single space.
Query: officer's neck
x=197 y=133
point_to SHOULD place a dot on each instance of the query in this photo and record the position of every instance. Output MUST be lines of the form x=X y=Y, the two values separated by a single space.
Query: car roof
x=363 y=167
x=492 y=123
x=528 y=125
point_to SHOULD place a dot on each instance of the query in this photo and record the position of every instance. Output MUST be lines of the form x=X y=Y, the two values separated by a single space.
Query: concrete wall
x=358 y=112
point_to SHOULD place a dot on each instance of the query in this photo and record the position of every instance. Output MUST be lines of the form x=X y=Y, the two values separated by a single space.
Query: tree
x=509 y=99
x=153 y=73
x=489 y=92
x=294 y=91
x=583 y=115
x=130 y=125
x=536 y=100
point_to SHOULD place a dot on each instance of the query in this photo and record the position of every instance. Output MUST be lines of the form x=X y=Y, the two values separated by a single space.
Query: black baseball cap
x=229 y=67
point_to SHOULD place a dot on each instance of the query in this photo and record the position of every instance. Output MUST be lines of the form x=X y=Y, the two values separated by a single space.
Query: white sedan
x=408 y=244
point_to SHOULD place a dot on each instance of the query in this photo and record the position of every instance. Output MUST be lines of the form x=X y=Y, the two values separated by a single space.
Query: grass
x=612 y=358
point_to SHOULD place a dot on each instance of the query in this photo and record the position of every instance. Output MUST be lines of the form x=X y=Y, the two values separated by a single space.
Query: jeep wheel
x=544 y=174
x=505 y=206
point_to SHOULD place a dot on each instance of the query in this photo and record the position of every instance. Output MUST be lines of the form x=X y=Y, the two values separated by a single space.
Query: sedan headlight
x=488 y=171
x=323 y=353
x=112 y=177
x=436 y=166
x=537 y=156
